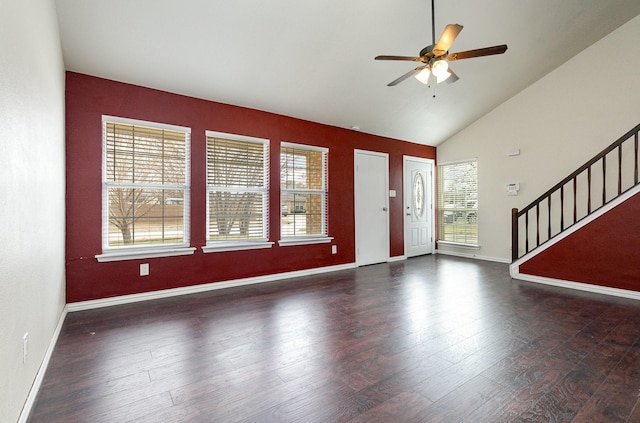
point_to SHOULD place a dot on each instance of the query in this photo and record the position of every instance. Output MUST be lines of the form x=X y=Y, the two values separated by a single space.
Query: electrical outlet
x=25 y=347
x=334 y=249
x=144 y=269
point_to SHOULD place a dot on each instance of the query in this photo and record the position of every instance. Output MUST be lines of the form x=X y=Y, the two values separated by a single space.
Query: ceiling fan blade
x=487 y=51
x=409 y=58
x=447 y=38
x=405 y=76
x=452 y=78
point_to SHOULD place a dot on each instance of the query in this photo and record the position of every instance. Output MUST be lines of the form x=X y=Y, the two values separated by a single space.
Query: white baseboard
x=580 y=286
x=396 y=258
x=473 y=256
x=35 y=388
x=145 y=296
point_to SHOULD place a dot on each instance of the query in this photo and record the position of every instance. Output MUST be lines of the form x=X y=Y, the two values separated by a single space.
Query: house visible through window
x=237 y=189
x=458 y=202
x=303 y=191
x=145 y=184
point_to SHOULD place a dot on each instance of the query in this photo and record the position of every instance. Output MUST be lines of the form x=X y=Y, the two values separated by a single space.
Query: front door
x=418 y=206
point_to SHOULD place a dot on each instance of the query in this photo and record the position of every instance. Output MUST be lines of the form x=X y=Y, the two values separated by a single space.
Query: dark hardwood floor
x=430 y=339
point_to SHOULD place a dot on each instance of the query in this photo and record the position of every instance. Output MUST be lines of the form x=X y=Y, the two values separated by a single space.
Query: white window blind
x=458 y=202
x=237 y=188
x=303 y=191
x=145 y=184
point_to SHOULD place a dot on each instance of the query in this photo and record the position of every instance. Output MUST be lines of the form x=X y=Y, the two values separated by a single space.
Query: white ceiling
x=314 y=59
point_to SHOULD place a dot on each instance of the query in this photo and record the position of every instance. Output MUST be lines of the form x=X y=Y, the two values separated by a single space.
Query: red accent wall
x=88 y=98
x=605 y=252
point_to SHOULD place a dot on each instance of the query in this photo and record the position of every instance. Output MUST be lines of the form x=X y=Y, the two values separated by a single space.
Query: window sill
x=459 y=244
x=216 y=247
x=143 y=254
x=304 y=241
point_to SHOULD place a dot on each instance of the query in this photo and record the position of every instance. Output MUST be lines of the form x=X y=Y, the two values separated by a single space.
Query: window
x=303 y=194
x=145 y=189
x=237 y=192
x=458 y=203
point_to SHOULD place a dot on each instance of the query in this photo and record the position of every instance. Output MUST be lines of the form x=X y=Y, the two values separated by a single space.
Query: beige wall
x=558 y=123
x=31 y=193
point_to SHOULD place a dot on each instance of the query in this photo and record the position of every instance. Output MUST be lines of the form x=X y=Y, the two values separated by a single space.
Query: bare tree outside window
x=237 y=185
x=146 y=184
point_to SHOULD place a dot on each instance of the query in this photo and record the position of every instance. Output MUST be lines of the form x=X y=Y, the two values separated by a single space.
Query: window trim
x=222 y=246
x=459 y=244
x=213 y=246
x=155 y=250
x=309 y=239
x=306 y=240
x=148 y=252
x=444 y=242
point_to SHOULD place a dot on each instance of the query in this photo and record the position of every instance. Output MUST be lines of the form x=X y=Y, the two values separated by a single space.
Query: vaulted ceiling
x=314 y=59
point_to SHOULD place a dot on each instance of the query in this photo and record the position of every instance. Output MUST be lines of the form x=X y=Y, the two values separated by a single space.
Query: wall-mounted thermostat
x=513 y=188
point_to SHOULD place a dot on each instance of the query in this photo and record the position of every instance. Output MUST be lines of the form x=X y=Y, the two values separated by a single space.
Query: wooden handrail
x=573 y=177
x=582 y=168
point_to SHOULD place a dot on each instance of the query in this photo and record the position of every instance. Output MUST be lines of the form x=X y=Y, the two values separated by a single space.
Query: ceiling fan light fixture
x=443 y=77
x=423 y=76
x=440 y=68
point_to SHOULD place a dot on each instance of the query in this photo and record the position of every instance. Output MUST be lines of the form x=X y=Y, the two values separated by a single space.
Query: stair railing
x=573 y=198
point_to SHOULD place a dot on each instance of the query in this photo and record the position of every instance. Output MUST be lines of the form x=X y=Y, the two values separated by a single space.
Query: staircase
x=601 y=181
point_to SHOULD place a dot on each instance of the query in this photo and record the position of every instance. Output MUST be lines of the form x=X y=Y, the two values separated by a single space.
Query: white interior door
x=418 y=206
x=371 y=207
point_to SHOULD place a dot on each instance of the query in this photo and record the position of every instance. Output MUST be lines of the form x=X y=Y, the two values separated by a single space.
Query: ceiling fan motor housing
x=426 y=50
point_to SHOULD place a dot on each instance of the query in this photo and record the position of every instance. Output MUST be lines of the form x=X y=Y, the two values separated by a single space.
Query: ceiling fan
x=436 y=56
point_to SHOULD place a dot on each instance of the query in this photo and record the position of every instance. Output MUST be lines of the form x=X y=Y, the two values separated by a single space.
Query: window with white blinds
x=237 y=188
x=145 y=184
x=458 y=202
x=303 y=191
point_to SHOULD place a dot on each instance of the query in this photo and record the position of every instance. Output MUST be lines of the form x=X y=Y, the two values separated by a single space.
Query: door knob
x=384 y=209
